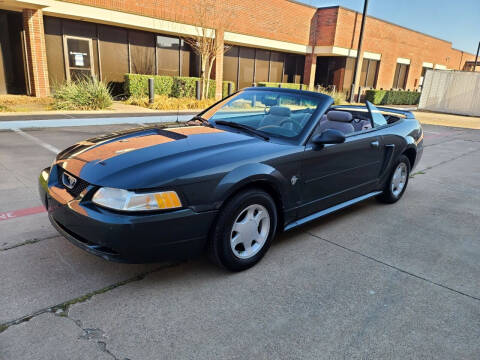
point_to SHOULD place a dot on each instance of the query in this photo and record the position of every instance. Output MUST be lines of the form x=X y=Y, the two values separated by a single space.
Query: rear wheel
x=398 y=181
x=244 y=230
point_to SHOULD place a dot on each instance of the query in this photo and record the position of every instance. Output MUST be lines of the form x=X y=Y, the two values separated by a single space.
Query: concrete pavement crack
x=97 y=335
x=395 y=267
x=64 y=306
x=28 y=242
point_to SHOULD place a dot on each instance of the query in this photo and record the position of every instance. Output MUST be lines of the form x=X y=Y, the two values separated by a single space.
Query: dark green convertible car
x=261 y=161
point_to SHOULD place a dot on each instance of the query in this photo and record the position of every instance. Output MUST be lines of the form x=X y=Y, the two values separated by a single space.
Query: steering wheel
x=296 y=126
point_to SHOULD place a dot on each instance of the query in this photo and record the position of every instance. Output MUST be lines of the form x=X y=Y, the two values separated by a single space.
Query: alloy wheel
x=399 y=179
x=250 y=231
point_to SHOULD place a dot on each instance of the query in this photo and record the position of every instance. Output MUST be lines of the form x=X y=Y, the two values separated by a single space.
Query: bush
x=83 y=94
x=392 y=97
x=137 y=84
x=338 y=97
x=283 y=85
x=173 y=86
x=163 y=102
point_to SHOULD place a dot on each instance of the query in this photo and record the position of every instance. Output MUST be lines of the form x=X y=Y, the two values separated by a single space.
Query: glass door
x=78 y=57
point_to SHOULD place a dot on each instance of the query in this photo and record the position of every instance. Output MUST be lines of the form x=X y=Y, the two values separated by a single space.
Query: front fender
x=250 y=173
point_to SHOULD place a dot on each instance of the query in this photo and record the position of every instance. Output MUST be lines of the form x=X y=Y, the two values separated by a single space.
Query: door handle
x=375 y=144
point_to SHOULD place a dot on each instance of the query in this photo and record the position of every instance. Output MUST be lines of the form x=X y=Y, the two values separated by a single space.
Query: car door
x=336 y=173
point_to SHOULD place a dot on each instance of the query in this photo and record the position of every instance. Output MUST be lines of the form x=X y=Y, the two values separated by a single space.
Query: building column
x=36 y=52
x=309 y=70
x=219 y=64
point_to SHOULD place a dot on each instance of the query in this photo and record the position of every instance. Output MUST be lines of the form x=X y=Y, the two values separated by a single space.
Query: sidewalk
x=459 y=121
x=118 y=109
x=120 y=113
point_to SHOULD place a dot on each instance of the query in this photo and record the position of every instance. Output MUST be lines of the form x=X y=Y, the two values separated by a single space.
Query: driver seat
x=338 y=120
x=275 y=116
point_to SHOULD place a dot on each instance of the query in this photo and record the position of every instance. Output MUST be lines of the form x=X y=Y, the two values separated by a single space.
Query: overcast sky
x=457 y=21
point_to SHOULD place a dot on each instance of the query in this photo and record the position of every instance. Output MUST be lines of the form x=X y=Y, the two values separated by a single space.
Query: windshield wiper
x=202 y=120
x=246 y=128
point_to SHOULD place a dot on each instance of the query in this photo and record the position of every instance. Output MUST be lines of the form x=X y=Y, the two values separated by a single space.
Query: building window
x=400 y=77
x=293 y=72
x=142 y=52
x=368 y=76
x=276 y=66
x=230 y=64
x=168 y=55
x=262 y=59
x=113 y=53
x=244 y=66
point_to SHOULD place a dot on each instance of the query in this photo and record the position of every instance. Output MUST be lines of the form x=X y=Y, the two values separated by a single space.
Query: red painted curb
x=22 y=212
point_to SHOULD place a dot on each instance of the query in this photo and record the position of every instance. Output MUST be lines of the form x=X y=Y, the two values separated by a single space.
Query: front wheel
x=398 y=181
x=244 y=230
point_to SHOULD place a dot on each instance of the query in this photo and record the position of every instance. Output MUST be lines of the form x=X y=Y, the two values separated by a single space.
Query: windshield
x=277 y=113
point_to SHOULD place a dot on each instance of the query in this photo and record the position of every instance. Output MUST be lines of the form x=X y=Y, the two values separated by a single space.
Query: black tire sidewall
x=388 y=195
x=222 y=251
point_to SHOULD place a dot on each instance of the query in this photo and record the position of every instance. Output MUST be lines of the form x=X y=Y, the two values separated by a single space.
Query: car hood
x=153 y=157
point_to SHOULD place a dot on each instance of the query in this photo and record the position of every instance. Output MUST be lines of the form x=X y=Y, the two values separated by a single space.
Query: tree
x=206 y=43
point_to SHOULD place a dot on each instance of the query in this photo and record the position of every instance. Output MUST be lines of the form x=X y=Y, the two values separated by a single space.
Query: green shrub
x=283 y=85
x=162 y=102
x=392 y=97
x=137 y=84
x=173 y=86
x=83 y=94
x=339 y=98
x=184 y=86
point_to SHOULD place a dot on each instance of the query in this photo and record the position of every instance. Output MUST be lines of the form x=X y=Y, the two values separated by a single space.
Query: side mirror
x=329 y=136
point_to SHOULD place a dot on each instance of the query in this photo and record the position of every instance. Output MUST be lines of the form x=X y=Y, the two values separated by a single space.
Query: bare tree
x=206 y=43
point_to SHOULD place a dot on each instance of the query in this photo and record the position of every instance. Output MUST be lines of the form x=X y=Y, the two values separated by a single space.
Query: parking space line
x=20 y=213
x=38 y=141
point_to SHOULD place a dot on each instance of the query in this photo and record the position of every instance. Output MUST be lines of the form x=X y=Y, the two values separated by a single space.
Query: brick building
x=45 y=42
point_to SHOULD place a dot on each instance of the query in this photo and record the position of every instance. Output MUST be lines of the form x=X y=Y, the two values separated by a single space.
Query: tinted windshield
x=273 y=112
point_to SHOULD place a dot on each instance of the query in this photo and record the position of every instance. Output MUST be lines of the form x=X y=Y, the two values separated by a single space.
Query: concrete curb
x=29 y=124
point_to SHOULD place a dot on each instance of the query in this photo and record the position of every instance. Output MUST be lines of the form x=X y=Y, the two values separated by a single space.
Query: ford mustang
x=261 y=161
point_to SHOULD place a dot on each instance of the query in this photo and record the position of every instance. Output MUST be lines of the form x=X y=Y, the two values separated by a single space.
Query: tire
x=244 y=230
x=392 y=192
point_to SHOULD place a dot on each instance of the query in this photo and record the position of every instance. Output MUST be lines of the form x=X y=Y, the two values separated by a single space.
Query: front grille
x=79 y=186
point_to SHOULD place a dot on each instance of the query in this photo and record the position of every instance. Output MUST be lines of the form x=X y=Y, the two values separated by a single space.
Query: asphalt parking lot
x=372 y=282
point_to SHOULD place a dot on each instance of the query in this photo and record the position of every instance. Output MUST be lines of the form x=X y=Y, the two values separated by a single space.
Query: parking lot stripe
x=20 y=213
x=38 y=141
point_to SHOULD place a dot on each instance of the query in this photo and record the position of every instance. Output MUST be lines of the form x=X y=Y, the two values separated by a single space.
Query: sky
x=457 y=21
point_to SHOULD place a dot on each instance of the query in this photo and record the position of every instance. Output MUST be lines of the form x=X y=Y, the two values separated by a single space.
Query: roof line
x=392 y=23
x=303 y=4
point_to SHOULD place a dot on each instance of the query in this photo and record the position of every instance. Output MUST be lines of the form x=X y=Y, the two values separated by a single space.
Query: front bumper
x=133 y=238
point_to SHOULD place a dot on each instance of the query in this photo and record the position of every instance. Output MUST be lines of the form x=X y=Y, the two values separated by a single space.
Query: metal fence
x=453 y=92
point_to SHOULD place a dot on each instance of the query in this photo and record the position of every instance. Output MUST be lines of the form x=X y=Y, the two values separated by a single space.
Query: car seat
x=337 y=120
x=275 y=116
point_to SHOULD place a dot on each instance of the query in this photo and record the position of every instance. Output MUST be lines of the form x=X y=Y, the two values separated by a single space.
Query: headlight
x=45 y=174
x=119 y=199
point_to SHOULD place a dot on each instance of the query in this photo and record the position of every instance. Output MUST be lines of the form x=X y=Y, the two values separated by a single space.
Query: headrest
x=279 y=111
x=269 y=101
x=340 y=116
